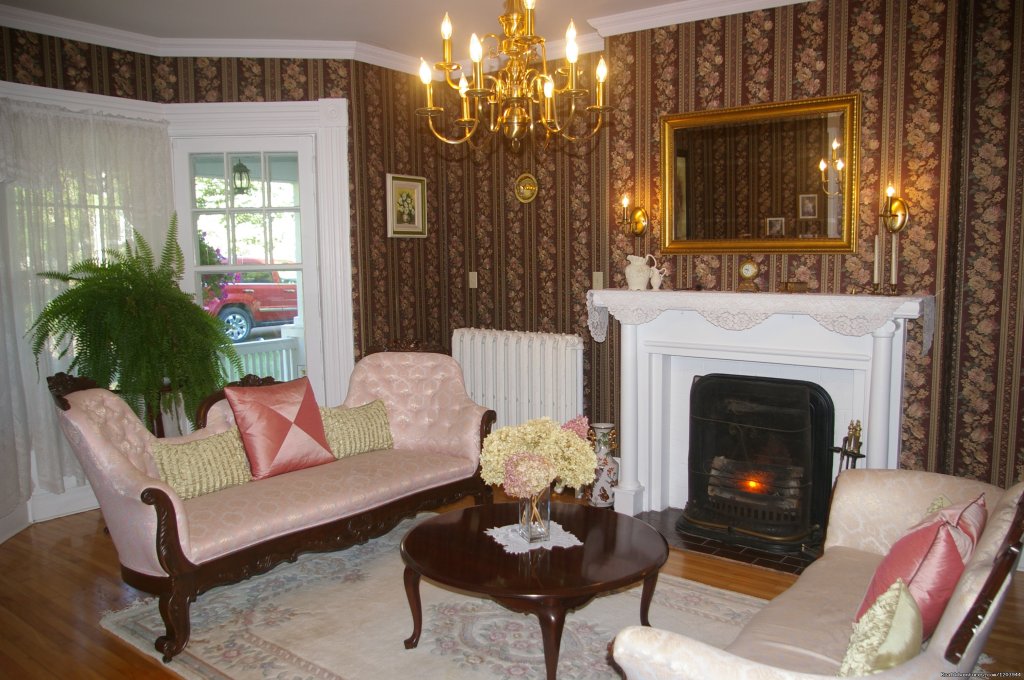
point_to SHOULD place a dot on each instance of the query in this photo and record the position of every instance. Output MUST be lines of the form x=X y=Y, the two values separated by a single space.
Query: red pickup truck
x=250 y=299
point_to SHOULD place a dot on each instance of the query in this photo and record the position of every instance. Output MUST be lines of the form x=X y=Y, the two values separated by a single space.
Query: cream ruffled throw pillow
x=203 y=465
x=358 y=429
x=889 y=633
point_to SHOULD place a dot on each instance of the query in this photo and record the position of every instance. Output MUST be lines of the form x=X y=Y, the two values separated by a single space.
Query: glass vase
x=535 y=517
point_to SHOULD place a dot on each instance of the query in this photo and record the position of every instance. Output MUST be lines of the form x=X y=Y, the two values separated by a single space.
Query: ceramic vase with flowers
x=526 y=459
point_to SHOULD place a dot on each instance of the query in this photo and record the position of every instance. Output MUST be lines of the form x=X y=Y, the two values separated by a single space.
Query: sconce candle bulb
x=633 y=223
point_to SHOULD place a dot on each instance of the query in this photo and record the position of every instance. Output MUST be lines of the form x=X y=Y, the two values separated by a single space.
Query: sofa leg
x=174 y=610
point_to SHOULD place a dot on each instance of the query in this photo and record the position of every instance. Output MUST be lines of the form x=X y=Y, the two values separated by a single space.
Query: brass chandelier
x=524 y=94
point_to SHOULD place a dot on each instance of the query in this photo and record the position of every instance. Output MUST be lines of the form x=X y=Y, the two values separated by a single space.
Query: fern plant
x=129 y=326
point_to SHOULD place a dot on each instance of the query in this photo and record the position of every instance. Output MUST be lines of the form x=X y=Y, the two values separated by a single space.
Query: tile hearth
x=665 y=522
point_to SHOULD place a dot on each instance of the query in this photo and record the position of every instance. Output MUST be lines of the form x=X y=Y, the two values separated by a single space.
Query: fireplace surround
x=852 y=345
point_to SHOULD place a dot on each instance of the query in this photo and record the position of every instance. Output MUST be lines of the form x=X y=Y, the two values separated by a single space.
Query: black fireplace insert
x=760 y=461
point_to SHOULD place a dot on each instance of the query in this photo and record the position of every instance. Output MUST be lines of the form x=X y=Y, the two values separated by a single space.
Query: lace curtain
x=73 y=185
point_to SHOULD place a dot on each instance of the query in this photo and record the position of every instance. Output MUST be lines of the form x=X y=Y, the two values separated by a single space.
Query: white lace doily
x=853 y=315
x=514 y=544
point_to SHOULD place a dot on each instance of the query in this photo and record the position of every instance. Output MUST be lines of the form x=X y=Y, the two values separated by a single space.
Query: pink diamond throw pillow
x=280 y=427
x=930 y=558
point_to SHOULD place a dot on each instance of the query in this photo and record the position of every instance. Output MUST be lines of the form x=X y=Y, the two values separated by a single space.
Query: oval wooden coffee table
x=452 y=549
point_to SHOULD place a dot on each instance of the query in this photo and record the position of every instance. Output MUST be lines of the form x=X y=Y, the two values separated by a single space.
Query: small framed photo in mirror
x=775 y=227
x=807 y=208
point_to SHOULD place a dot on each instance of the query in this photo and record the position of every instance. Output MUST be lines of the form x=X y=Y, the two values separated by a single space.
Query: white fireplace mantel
x=853 y=345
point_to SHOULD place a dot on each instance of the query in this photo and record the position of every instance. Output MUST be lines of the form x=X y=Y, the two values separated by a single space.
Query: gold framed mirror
x=766 y=178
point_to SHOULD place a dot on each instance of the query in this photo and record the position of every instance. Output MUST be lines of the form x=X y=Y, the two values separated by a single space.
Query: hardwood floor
x=57 y=578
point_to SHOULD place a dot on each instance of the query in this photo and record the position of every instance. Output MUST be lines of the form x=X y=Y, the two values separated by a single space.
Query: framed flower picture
x=407 y=206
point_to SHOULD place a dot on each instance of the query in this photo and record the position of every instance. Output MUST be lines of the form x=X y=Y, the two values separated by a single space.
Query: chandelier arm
x=581 y=138
x=493 y=122
x=448 y=78
x=446 y=140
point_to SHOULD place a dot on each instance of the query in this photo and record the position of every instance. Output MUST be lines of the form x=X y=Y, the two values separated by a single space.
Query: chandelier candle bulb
x=476 y=53
x=463 y=89
x=446 y=40
x=549 y=100
x=528 y=5
x=572 y=54
x=602 y=75
x=425 y=78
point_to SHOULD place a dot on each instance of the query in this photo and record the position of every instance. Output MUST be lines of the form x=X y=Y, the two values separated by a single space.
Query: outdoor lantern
x=240 y=179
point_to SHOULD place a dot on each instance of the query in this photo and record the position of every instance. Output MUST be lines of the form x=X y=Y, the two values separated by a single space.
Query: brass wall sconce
x=895 y=216
x=634 y=223
x=241 y=181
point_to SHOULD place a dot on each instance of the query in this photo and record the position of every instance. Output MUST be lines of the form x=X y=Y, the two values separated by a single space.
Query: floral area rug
x=344 y=615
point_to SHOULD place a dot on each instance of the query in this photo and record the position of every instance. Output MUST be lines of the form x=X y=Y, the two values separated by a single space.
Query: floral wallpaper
x=937 y=81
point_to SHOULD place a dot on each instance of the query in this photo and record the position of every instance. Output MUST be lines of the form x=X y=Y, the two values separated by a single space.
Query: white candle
x=877 y=274
x=895 y=258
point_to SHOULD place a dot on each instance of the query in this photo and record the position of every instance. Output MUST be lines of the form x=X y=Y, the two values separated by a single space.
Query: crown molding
x=69 y=29
x=678 y=13
x=615 y=24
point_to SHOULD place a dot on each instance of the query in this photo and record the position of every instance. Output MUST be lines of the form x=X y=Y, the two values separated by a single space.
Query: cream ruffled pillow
x=203 y=465
x=889 y=633
x=358 y=429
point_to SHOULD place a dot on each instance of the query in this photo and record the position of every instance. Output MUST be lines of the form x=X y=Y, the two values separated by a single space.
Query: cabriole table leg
x=412 y=592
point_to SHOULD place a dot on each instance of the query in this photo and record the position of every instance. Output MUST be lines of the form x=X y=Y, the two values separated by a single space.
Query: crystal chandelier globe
x=525 y=94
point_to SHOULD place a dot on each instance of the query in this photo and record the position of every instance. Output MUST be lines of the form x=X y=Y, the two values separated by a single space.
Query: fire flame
x=753 y=485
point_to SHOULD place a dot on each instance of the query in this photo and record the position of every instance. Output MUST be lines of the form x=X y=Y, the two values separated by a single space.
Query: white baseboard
x=13 y=522
x=44 y=506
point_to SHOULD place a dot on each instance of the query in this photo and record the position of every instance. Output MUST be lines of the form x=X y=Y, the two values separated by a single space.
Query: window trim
x=326 y=120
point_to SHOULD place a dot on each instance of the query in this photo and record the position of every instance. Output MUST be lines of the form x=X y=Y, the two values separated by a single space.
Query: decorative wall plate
x=526 y=187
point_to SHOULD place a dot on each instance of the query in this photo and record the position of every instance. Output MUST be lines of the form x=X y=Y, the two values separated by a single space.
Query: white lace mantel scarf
x=854 y=315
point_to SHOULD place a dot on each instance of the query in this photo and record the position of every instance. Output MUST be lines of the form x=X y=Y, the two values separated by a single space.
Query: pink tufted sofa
x=179 y=549
x=804 y=632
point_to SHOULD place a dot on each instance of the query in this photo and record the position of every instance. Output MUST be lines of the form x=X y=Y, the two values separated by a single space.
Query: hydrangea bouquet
x=525 y=459
x=565 y=448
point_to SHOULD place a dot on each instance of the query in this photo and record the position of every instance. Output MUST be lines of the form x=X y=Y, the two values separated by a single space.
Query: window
x=246 y=216
x=250 y=224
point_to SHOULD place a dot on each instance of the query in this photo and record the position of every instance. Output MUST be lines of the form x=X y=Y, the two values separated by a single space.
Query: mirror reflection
x=764 y=178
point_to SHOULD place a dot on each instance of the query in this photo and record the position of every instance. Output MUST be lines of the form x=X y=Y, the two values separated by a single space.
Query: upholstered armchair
x=804 y=633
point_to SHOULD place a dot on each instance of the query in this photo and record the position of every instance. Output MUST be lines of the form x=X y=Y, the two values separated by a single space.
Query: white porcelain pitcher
x=638 y=272
x=657 y=276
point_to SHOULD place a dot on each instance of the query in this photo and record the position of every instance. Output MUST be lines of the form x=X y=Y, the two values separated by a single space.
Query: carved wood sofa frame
x=186 y=581
x=1004 y=564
